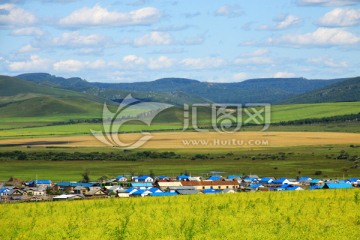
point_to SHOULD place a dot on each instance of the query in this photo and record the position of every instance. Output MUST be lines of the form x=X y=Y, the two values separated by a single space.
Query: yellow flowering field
x=319 y=214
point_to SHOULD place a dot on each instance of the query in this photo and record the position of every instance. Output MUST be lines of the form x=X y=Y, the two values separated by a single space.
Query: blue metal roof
x=304 y=178
x=266 y=180
x=119 y=177
x=143 y=184
x=337 y=185
x=4 y=189
x=231 y=177
x=254 y=186
x=215 y=178
x=163 y=194
x=315 y=187
x=154 y=189
x=75 y=184
x=130 y=190
x=279 y=181
x=183 y=177
x=138 y=192
x=208 y=191
x=353 y=179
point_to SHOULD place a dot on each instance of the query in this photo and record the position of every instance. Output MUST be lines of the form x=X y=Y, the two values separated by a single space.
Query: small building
x=141 y=185
x=280 y=181
x=212 y=184
x=337 y=186
x=188 y=192
x=40 y=183
x=68 y=197
x=121 y=179
x=266 y=180
x=195 y=178
x=183 y=177
x=4 y=191
x=234 y=177
x=214 y=178
x=143 y=178
x=165 y=185
x=211 y=191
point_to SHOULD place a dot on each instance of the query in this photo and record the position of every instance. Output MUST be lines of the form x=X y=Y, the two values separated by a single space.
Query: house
x=143 y=178
x=163 y=194
x=211 y=191
x=35 y=191
x=174 y=189
x=314 y=187
x=355 y=181
x=255 y=186
x=68 y=197
x=188 y=192
x=95 y=192
x=141 y=185
x=214 y=178
x=288 y=187
x=195 y=178
x=337 y=186
x=212 y=184
x=249 y=180
x=16 y=192
x=228 y=190
x=40 y=183
x=115 y=189
x=183 y=177
x=70 y=186
x=234 y=177
x=4 y=191
x=164 y=184
x=141 y=193
x=162 y=178
x=280 y=181
x=154 y=190
x=266 y=180
x=316 y=182
x=304 y=179
x=121 y=179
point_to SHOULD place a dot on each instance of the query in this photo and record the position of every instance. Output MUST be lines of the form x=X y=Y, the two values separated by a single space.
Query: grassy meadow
x=268 y=161
x=172 y=119
x=319 y=214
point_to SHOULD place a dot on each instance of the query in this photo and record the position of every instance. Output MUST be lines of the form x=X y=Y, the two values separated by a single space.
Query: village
x=15 y=190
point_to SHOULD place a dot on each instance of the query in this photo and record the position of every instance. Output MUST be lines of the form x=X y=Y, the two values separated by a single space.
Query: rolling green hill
x=344 y=91
x=111 y=91
x=180 y=90
x=19 y=98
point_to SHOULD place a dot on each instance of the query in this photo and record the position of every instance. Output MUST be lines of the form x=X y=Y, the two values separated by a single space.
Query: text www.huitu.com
x=225 y=142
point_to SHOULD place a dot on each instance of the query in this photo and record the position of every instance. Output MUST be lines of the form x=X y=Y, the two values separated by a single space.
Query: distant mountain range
x=180 y=90
x=42 y=94
x=344 y=91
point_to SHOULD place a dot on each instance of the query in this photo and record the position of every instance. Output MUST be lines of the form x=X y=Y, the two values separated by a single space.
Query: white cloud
x=202 y=63
x=287 y=22
x=327 y=2
x=340 y=17
x=328 y=62
x=153 y=39
x=30 y=31
x=282 y=23
x=240 y=76
x=35 y=63
x=27 y=48
x=14 y=16
x=74 y=39
x=160 y=62
x=253 y=60
x=72 y=65
x=256 y=53
x=133 y=60
x=229 y=11
x=284 y=75
x=99 y=16
x=320 y=37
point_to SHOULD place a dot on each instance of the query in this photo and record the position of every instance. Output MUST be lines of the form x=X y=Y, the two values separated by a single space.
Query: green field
x=277 y=162
x=172 y=119
x=319 y=214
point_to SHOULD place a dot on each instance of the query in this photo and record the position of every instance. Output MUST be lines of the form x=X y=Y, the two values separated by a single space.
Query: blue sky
x=207 y=40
